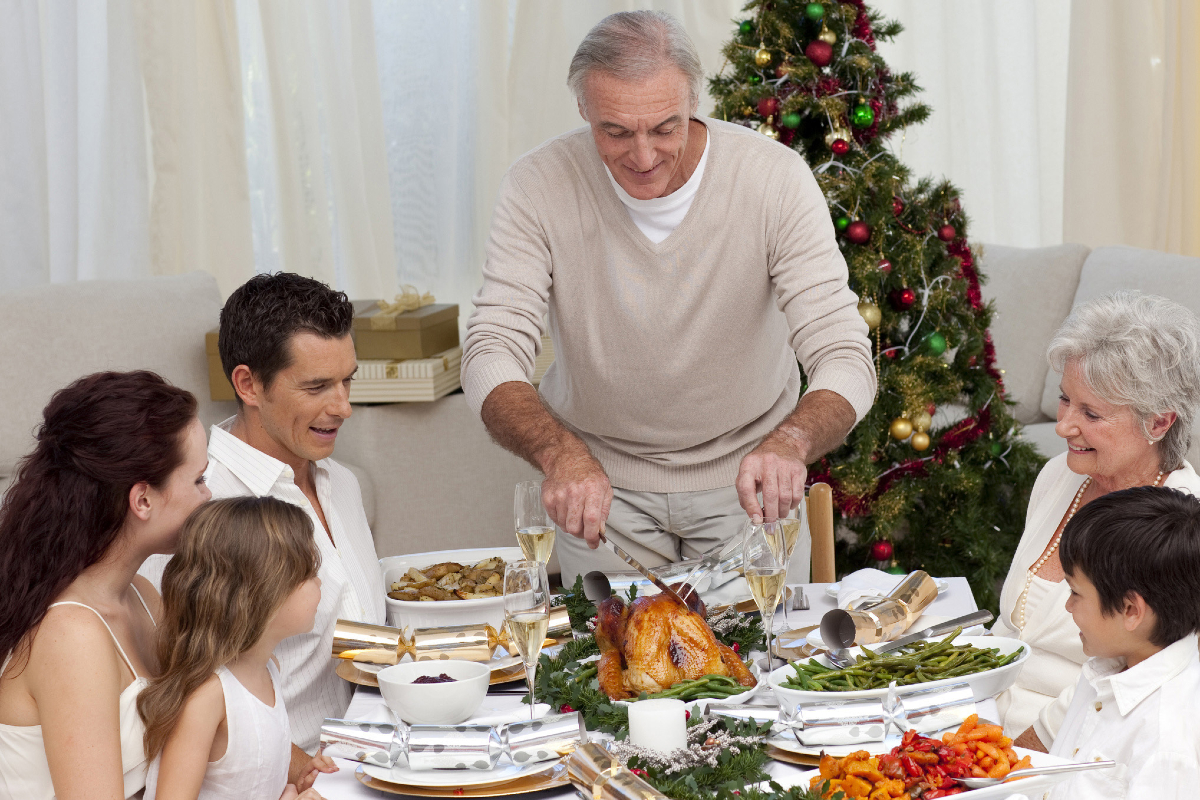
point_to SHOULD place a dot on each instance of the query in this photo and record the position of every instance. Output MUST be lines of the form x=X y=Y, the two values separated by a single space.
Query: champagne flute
x=527 y=614
x=535 y=529
x=786 y=532
x=764 y=552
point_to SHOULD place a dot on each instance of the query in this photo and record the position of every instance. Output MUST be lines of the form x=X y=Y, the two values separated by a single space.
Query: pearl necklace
x=1058 y=538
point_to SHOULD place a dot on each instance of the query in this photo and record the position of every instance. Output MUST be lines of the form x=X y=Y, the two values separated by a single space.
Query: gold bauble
x=922 y=421
x=769 y=130
x=870 y=314
x=763 y=57
x=838 y=132
x=827 y=35
x=920 y=441
x=901 y=428
x=747 y=111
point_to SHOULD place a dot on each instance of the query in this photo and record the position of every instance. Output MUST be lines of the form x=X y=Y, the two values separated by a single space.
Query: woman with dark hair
x=119 y=464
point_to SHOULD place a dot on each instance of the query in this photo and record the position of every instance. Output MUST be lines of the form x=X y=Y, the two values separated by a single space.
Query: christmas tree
x=948 y=496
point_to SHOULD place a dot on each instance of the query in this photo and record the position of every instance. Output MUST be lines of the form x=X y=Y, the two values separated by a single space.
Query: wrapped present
x=219 y=387
x=394 y=331
x=412 y=381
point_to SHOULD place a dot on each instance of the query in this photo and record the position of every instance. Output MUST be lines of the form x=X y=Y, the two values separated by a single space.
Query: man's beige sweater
x=672 y=360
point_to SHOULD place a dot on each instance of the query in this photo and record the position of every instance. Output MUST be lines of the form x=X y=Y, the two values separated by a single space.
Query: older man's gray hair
x=1139 y=350
x=633 y=46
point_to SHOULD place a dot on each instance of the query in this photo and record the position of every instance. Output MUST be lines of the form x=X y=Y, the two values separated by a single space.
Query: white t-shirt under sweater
x=660 y=216
x=1146 y=718
x=1042 y=692
x=672 y=359
x=258 y=751
x=351 y=580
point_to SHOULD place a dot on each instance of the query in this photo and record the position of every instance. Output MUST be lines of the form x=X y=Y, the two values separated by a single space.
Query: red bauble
x=858 y=232
x=782 y=70
x=930 y=409
x=840 y=147
x=882 y=550
x=897 y=206
x=902 y=299
x=947 y=233
x=768 y=106
x=819 y=53
x=885 y=265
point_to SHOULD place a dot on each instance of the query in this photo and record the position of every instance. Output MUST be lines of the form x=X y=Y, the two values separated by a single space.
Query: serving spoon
x=980 y=783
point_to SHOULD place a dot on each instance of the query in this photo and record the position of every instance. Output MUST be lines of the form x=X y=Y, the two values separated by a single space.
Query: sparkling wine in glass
x=783 y=534
x=764 y=554
x=527 y=614
x=535 y=529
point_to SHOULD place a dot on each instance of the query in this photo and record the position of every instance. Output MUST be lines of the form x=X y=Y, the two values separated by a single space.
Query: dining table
x=367 y=704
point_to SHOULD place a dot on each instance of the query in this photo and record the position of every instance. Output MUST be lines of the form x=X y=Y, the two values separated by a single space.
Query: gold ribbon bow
x=409 y=299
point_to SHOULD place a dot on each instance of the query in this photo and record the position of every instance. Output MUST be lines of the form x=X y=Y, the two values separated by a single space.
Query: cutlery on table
x=980 y=783
x=837 y=645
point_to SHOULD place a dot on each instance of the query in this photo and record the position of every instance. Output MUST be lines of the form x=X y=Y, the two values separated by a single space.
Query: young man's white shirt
x=1146 y=718
x=351 y=580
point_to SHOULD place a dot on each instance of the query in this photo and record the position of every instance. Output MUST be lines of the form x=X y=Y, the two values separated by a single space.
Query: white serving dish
x=434 y=703
x=1031 y=787
x=983 y=684
x=406 y=614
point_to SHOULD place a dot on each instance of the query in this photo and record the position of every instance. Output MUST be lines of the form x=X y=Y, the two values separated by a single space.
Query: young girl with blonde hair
x=243 y=579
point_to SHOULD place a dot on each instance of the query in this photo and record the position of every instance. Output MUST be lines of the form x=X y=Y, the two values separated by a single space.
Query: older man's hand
x=775 y=468
x=577 y=493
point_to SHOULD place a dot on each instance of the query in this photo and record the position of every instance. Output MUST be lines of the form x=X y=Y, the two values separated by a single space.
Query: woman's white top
x=24 y=771
x=258 y=751
x=1042 y=693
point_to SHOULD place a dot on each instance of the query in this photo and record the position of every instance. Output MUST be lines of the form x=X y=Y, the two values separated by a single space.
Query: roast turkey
x=655 y=642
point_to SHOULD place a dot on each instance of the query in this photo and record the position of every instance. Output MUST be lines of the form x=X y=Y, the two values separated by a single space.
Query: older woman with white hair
x=1130 y=389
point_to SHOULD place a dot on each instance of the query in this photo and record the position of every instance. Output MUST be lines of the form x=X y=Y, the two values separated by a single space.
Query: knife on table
x=633 y=562
x=981 y=617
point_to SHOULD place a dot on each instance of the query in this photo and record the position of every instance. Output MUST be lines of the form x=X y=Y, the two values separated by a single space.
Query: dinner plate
x=457 y=778
x=942 y=586
x=1032 y=786
x=537 y=782
x=365 y=674
x=741 y=600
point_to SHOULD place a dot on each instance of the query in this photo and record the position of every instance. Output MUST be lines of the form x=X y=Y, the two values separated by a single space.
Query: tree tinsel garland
x=954 y=503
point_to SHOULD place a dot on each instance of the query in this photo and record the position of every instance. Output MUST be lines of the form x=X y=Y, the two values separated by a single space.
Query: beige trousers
x=655 y=528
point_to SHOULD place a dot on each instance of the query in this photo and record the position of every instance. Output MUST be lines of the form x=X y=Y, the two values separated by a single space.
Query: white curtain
x=1133 y=139
x=73 y=159
x=315 y=144
x=995 y=74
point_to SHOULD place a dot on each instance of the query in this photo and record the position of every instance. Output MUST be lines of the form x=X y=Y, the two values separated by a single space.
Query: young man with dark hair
x=286 y=347
x=1132 y=560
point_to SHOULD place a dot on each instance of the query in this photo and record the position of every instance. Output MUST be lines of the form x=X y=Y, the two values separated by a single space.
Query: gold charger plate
x=346 y=670
x=793 y=644
x=554 y=779
x=779 y=754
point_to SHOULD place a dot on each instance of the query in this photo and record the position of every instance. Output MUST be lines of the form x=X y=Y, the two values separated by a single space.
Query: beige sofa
x=431 y=477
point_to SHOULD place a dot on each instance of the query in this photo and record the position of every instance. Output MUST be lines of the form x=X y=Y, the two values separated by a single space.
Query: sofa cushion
x=1032 y=289
x=56 y=333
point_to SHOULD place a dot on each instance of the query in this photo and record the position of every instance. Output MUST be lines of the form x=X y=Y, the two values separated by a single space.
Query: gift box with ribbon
x=411 y=326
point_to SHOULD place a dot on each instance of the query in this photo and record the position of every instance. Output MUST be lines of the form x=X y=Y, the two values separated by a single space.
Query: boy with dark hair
x=286 y=347
x=1132 y=560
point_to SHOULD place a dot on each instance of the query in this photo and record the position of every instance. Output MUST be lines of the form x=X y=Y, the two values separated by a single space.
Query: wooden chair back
x=819 y=504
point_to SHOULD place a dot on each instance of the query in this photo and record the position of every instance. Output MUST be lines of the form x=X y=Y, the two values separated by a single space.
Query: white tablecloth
x=368 y=705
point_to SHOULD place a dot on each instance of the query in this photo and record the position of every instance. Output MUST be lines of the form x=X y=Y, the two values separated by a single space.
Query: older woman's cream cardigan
x=1043 y=689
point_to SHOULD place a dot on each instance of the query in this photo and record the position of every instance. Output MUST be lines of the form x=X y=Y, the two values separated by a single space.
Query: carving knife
x=633 y=562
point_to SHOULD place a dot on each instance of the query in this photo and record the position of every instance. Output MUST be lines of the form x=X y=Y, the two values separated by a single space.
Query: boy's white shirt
x=1146 y=718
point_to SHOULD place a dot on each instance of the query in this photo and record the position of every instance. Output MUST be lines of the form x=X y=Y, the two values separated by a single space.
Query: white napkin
x=498 y=709
x=865 y=583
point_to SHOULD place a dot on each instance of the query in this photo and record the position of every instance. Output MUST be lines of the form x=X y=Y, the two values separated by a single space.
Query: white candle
x=658 y=724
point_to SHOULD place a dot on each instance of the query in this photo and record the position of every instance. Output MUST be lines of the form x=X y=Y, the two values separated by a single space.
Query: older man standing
x=685 y=263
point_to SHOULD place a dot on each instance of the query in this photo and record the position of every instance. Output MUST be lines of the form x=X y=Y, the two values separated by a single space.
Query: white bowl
x=983 y=684
x=435 y=703
x=435 y=614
